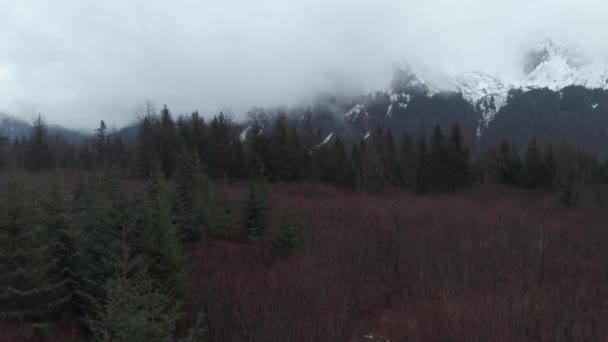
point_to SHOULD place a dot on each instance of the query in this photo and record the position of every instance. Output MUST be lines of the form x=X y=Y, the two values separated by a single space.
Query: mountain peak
x=547 y=49
x=406 y=79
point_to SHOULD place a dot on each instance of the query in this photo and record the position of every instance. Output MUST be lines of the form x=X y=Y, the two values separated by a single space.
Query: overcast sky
x=77 y=62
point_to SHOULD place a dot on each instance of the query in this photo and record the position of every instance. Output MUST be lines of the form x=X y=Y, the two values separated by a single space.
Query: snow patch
x=594 y=106
x=366 y=136
x=243 y=135
x=327 y=139
x=355 y=110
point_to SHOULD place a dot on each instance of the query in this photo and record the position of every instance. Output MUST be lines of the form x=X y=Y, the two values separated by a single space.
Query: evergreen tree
x=509 y=165
x=256 y=209
x=39 y=151
x=280 y=162
x=460 y=174
x=408 y=160
x=26 y=287
x=439 y=161
x=309 y=142
x=62 y=237
x=357 y=159
x=288 y=235
x=192 y=197
x=533 y=171
x=100 y=143
x=157 y=238
x=236 y=163
x=394 y=166
x=147 y=151
x=548 y=169
x=422 y=166
x=168 y=142
x=3 y=151
x=102 y=212
x=259 y=150
x=341 y=170
x=136 y=309
x=219 y=145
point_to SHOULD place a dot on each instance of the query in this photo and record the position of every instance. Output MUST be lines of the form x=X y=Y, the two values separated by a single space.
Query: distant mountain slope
x=13 y=127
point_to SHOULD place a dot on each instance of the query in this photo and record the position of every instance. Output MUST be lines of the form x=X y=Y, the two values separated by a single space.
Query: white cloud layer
x=78 y=61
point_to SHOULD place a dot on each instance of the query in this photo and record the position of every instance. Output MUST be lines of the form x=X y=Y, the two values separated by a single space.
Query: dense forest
x=210 y=230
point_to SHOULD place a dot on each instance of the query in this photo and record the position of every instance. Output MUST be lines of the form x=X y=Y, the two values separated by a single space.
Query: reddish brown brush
x=487 y=265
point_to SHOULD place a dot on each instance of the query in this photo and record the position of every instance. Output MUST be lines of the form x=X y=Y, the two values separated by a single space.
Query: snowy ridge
x=549 y=64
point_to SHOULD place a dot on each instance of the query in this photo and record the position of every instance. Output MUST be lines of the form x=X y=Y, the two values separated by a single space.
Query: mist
x=78 y=62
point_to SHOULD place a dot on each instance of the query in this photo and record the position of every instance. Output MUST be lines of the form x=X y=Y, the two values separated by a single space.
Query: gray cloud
x=80 y=61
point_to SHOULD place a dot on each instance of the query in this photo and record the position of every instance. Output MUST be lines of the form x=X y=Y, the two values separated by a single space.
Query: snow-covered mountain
x=548 y=64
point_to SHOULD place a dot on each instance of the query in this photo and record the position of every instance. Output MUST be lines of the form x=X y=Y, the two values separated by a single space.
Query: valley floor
x=489 y=264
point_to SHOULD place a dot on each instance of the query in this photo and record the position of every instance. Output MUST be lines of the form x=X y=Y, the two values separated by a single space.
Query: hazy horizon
x=77 y=63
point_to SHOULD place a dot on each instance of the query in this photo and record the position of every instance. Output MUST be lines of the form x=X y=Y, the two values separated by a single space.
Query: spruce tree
x=101 y=212
x=63 y=237
x=548 y=169
x=168 y=142
x=533 y=170
x=192 y=197
x=460 y=173
x=439 y=161
x=256 y=209
x=136 y=308
x=394 y=166
x=509 y=165
x=26 y=285
x=288 y=235
x=341 y=171
x=157 y=238
x=39 y=156
x=101 y=143
x=236 y=161
x=408 y=161
x=422 y=166
x=146 y=149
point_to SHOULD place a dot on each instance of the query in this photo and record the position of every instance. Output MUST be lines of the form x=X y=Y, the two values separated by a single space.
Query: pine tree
x=192 y=197
x=136 y=308
x=422 y=166
x=548 y=169
x=288 y=235
x=256 y=209
x=439 y=161
x=3 y=151
x=259 y=150
x=394 y=167
x=509 y=165
x=533 y=165
x=168 y=142
x=236 y=162
x=408 y=160
x=101 y=143
x=280 y=162
x=62 y=237
x=147 y=151
x=460 y=174
x=342 y=171
x=357 y=159
x=26 y=286
x=157 y=238
x=102 y=212
x=38 y=156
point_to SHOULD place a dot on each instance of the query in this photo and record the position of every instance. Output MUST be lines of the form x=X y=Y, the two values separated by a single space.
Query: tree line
x=294 y=149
